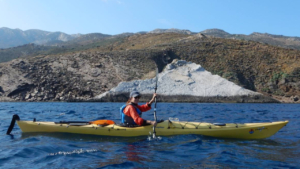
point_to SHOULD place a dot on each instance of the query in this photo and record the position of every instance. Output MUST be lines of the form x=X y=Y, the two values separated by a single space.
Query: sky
x=119 y=16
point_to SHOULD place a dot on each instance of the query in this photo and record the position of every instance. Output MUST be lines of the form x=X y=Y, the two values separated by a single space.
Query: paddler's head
x=134 y=97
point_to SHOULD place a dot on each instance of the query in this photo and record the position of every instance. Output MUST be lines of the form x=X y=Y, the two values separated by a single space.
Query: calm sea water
x=186 y=151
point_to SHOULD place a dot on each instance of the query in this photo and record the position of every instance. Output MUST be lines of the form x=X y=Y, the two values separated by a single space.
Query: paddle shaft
x=155 y=107
x=155 y=118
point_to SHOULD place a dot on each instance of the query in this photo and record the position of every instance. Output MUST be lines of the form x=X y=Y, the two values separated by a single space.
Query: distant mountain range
x=187 y=32
x=16 y=37
x=275 y=40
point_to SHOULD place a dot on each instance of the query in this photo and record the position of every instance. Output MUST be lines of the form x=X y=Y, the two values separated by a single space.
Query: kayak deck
x=166 y=128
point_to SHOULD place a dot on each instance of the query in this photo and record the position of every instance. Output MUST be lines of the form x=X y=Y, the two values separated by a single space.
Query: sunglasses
x=137 y=97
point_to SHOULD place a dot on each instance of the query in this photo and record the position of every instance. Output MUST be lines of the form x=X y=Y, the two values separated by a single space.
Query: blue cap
x=134 y=94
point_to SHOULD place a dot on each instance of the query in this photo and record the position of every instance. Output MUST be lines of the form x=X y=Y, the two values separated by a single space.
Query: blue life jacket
x=127 y=119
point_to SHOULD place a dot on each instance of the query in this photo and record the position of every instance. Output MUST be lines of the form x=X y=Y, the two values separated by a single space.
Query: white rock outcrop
x=184 y=78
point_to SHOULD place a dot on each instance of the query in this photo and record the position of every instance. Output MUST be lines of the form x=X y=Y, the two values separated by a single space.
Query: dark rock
x=295 y=98
x=1 y=90
x=23 y=88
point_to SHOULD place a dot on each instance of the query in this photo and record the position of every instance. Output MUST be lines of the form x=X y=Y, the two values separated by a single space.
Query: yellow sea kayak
x=165 y=128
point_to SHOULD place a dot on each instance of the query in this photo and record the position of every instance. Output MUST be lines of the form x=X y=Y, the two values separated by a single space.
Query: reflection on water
x=83 y=137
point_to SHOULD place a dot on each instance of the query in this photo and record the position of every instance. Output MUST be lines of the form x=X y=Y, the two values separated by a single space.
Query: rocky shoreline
x=123 y=97
x=181 y=78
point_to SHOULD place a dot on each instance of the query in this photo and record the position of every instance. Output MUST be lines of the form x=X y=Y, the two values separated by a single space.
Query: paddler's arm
x=153 y=99
x=154 y=123
x=147 y=106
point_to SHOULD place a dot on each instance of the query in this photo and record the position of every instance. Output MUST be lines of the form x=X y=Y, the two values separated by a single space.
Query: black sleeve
x=145 y=123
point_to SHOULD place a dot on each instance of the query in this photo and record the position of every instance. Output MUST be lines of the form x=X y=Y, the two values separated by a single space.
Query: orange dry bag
x=102 y=122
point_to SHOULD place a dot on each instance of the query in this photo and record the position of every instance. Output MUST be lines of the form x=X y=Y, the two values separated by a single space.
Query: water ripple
x=79 y=151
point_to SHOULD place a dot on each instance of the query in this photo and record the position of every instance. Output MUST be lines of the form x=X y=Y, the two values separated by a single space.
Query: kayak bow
x=165 y=128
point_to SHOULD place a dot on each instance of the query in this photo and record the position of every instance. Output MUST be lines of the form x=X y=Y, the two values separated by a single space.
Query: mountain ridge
x=290 y=42
x=17 y=37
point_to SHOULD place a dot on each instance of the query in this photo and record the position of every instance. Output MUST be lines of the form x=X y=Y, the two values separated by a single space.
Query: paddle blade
x=12 y=124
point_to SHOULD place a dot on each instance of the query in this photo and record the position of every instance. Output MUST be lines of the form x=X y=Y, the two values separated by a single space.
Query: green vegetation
x=227 y=75
x=265 y=89
x=218 y=72
x=278 y=75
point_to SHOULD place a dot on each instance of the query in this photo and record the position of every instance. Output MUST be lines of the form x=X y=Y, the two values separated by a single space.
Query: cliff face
x=82 y=74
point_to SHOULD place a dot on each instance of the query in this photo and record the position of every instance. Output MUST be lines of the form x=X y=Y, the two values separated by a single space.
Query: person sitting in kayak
x=131 y=112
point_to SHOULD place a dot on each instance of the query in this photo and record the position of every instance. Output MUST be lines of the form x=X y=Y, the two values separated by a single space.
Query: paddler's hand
x=153 y=98
x=154 y=123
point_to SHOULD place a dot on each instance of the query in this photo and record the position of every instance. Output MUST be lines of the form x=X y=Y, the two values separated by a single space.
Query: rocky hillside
x=89 y=70
x=77 y=76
